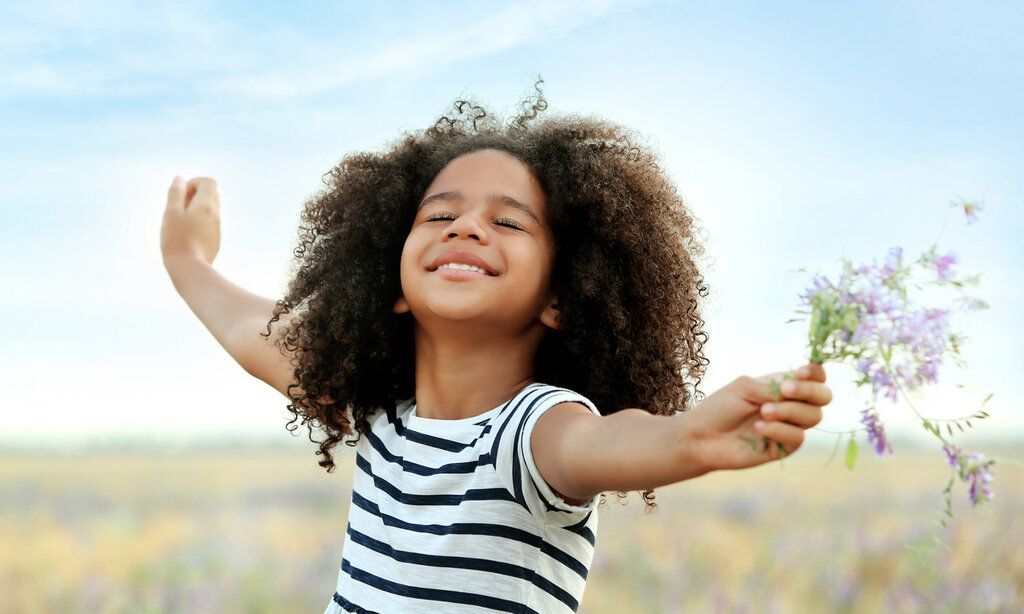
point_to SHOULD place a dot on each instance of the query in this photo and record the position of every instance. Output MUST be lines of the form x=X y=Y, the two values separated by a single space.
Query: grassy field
x=262 y=531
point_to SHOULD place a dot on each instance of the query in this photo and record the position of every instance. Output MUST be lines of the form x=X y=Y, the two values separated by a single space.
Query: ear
x=401 y=305
x=550 y=313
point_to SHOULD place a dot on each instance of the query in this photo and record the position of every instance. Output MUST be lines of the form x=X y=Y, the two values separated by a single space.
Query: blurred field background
x=261 y=530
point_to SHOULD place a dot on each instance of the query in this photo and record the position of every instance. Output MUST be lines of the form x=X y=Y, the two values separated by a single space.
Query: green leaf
x=851 y=453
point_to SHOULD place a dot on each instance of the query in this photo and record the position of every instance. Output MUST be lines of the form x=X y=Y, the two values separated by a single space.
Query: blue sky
x=797 y=133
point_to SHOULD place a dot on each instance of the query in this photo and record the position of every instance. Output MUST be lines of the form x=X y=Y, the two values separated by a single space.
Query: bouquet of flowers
x=867 y=319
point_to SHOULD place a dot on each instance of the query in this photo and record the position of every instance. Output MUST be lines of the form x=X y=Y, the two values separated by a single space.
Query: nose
x=466 y=225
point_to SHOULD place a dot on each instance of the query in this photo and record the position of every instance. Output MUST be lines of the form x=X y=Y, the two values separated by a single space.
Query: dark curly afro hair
x=624 y=272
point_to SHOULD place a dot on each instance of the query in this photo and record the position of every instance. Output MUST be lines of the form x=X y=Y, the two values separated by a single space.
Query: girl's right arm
x=189 y=241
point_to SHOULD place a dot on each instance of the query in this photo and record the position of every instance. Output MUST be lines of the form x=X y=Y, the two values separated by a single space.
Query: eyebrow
x=508 y=201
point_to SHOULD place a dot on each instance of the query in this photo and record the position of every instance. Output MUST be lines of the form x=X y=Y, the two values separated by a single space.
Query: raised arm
x=190 y=240
x=235 y=317
x=580 y=454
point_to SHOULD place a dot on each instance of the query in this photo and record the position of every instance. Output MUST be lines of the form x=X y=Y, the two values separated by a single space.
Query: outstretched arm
x=580 y=454
x=189 y=242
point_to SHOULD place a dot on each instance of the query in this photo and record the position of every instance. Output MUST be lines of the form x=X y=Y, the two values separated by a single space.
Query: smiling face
x=488 y=205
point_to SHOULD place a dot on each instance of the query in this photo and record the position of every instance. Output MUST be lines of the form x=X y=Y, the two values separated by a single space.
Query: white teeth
x=462 y=267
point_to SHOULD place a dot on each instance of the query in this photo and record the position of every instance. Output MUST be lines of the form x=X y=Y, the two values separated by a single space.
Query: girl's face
x=488 y=204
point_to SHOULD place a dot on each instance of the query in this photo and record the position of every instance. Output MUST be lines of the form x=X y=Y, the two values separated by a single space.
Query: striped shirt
x=453 y=516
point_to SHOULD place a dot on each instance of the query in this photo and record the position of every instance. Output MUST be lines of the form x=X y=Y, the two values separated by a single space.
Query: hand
x=722 y=426
x=191 y=225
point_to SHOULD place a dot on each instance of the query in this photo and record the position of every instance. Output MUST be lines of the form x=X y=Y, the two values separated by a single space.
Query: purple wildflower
x=952 y=455
x=868 y=319
x=979 y=477
x=929 y=371
x=971 y=211
x=974 y=471
x=893 y=261
x=819 y=284
x=876 y=433
x=942 y=264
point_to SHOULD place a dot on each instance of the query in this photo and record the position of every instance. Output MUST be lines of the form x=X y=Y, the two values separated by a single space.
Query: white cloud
x=173 y=46
x=111 y=48
x=514 y=25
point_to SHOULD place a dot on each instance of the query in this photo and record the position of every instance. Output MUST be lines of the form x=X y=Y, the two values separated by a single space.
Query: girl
x=502 y=320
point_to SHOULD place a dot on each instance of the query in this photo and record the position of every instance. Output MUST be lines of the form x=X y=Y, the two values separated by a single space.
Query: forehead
x=486 y=171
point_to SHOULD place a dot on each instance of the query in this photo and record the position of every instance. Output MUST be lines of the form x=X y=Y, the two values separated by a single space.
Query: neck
x=461 y=375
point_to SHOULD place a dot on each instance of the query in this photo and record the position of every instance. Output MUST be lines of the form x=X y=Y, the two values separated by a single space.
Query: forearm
x=634 y=450
x=227 y=310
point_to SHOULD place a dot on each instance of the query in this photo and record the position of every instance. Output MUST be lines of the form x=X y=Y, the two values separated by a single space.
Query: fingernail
x=759 y=424
x=768 y=409
x=178 y=179
x=789 y=388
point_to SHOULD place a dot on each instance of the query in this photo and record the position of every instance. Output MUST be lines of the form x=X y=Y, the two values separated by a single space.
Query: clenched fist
x=191 y=225
x=729 y=426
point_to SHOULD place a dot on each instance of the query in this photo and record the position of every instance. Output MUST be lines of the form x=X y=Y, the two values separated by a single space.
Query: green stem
x=906 y=397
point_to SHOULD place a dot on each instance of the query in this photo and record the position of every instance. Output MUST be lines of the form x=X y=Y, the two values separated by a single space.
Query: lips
x=461 y=257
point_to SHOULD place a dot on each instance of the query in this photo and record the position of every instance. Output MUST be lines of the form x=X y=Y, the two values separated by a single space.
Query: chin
x=453 y=309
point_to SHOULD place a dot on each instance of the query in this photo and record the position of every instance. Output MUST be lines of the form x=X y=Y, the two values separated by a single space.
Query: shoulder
x=545 y=403
x=548 y=404
x=567 y=411
x=561 y=414
x=562 y=419
x=541 y=396
x=573 y=406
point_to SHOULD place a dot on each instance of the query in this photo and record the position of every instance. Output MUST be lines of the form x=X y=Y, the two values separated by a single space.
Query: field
x=262 y=531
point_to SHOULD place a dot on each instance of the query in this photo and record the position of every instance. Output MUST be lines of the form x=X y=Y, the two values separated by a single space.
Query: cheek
x=408 y=262
x=530 y=267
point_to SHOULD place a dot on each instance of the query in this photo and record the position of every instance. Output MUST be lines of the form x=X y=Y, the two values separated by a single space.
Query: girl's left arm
x=580 y=454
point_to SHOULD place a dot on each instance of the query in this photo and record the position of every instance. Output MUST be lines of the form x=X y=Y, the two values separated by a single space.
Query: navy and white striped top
x=453 y=516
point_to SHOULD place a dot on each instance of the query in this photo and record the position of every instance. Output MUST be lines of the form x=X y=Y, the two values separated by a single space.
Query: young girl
x=502 y=320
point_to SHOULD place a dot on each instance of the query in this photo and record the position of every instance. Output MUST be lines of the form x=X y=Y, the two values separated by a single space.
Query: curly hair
x=624 y=273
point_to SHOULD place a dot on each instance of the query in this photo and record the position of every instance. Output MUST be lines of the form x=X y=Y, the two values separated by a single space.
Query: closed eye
x=504 y=221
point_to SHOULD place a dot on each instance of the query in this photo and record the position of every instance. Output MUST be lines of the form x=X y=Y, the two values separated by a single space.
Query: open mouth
x=460 y=274
x=472 y=270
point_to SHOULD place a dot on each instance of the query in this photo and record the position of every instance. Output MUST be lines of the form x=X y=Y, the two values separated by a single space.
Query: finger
x=767 y=387
x=814 y=393
x=176 y=193
x=791 y=437
x=203 y=194
x=205 y=182
x=802 y=415
x=812 y=371
x=778 y=377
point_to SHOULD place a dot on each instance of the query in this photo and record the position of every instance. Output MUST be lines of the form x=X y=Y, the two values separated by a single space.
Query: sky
x=797 y=133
